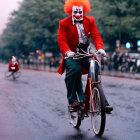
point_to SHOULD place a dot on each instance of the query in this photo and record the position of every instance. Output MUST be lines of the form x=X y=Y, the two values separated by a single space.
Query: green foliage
x=35 y=24
x=117 y=19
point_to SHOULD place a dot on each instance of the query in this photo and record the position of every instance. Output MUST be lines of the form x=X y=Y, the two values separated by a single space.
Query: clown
x=13 y=64
x=74 y=32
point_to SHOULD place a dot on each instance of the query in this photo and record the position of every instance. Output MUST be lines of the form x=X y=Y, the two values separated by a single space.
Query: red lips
x=77 y=17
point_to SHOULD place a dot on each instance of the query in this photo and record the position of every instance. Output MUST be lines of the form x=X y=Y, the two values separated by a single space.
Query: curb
x=122 y=75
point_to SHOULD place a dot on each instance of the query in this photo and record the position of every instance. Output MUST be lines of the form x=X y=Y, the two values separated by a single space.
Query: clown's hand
x=101 y=52
x=69 y=54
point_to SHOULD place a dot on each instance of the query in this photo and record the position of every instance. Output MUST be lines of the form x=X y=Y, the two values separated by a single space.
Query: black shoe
x=108 y=109
x=86 y=115
x=73 y=107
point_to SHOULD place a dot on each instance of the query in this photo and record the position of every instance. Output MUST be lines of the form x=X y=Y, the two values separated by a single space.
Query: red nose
x=77 y=17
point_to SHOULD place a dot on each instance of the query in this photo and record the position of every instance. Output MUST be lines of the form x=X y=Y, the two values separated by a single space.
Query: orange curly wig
x=70 y=3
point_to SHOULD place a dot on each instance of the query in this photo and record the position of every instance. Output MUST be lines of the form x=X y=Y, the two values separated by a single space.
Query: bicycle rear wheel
x=8 y=74
x=97 y=110
x=75 y=119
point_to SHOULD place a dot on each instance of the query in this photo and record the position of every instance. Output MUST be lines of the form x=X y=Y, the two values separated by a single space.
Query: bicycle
x=13 y=74
x=95 y=100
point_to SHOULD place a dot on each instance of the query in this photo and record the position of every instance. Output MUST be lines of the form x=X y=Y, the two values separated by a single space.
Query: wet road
x=35 y=108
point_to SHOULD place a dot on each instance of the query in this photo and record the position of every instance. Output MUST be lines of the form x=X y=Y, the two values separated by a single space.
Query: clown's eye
x=80 y=12
x=75 y=12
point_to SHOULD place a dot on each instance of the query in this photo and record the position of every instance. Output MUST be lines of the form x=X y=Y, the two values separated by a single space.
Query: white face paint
x=77 y=13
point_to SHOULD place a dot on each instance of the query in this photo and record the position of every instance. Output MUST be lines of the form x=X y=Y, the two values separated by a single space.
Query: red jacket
x=13 y=65
x=68 y=38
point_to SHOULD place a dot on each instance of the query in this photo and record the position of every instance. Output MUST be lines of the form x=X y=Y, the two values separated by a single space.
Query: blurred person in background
x=13 y=64
x=110 y=63
x=51 y=63
x=131 y=64
x=137 y=65
x=74 y=32
x=115 y=58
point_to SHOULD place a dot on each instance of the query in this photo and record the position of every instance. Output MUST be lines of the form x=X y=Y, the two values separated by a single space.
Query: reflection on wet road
x=35 y=108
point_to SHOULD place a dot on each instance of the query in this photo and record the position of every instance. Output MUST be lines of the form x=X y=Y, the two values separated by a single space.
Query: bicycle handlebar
x=85 y=54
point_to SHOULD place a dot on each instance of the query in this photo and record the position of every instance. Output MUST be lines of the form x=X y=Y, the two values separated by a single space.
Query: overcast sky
x=6 y=7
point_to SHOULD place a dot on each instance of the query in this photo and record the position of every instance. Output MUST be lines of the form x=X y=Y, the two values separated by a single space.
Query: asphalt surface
x=34 y=107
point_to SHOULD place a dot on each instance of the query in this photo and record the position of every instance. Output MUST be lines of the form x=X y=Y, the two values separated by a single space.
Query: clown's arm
x=17 y=66
x=62 y=39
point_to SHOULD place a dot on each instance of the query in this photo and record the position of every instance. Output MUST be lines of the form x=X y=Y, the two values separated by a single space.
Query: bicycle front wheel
x=75 y=119
x=16 y=75
x=97 y=110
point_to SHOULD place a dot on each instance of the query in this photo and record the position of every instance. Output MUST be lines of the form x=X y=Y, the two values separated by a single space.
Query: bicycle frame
x=90 y=82
x=94 y=97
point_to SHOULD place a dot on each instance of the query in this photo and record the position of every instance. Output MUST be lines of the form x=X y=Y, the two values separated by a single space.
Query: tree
x=117 y=19
x=34 y=25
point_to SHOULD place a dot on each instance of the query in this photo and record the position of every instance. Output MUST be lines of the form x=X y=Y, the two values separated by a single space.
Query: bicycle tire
x=8 y=74
x=101 y=113
x=74 y=119
x=16 y=75
x=123 y=69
